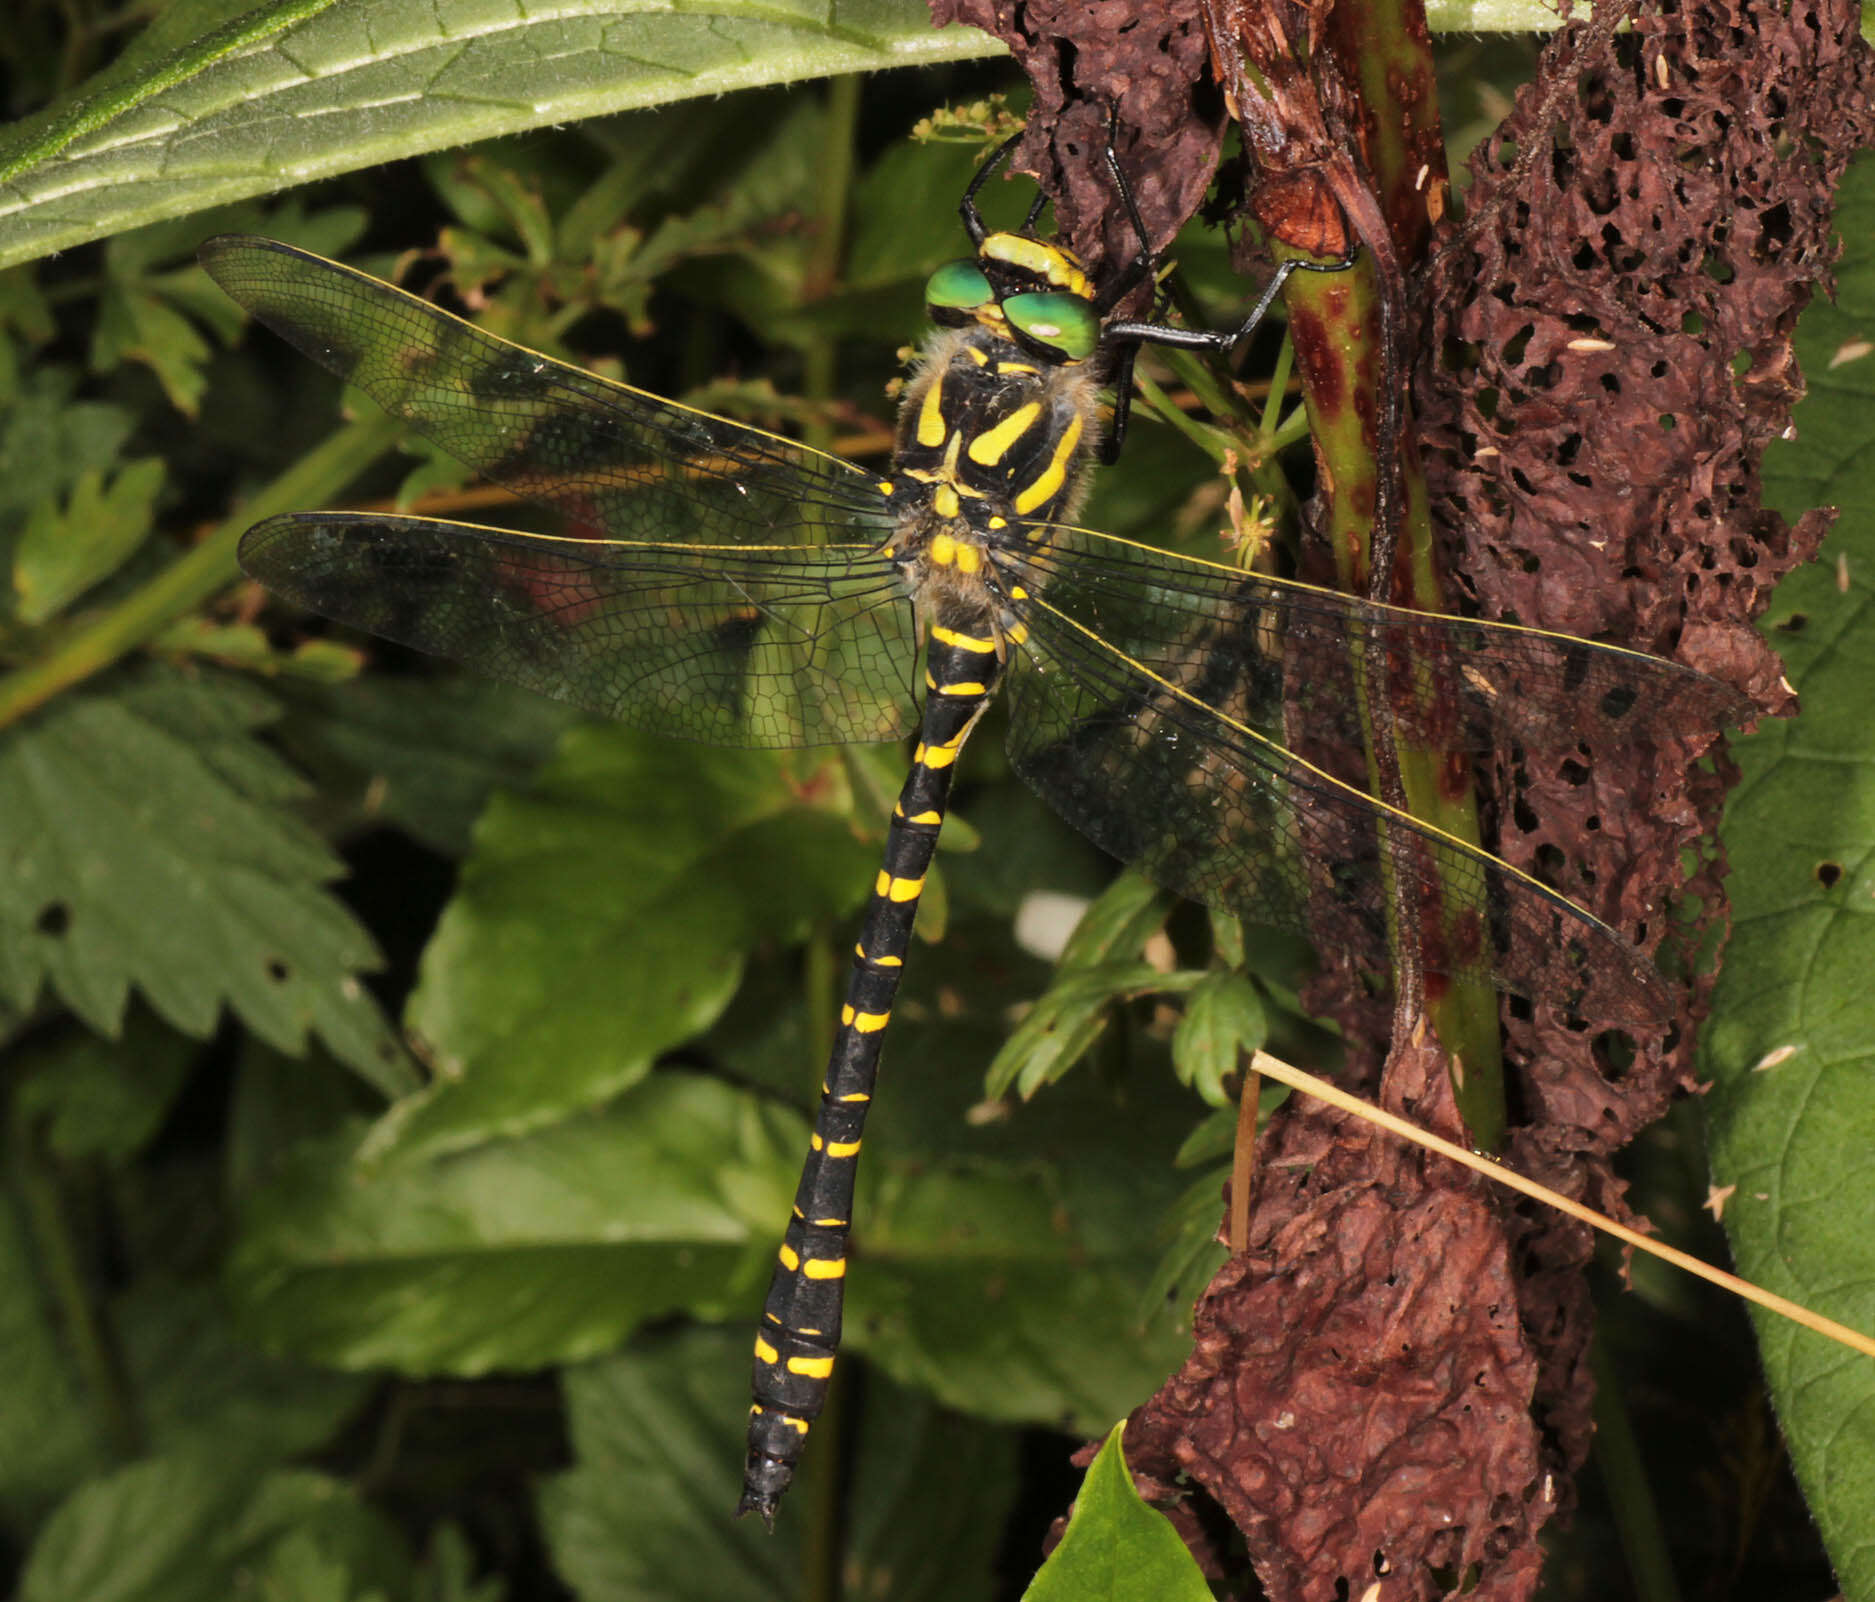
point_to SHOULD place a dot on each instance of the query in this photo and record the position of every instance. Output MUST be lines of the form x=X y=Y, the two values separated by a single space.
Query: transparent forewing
x=611 y=459
x=741 y=645
x=1294 y=661
x=1158 y=774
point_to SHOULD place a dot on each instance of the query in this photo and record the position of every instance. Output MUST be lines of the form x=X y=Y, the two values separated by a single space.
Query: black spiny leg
x=800 y=1328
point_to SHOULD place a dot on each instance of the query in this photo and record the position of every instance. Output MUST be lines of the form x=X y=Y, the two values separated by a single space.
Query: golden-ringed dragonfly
x=748 y=590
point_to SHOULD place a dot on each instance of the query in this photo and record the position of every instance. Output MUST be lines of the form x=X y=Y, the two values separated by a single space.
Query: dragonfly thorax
x=990 y=437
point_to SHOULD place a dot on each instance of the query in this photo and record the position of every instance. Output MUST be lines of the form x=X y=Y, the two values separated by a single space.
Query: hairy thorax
x=991 y=442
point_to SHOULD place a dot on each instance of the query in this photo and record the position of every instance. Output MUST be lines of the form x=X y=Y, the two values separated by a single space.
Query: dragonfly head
x=1034 y=292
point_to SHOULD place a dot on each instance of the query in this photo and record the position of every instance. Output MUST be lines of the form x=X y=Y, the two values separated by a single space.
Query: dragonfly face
x=719 y=583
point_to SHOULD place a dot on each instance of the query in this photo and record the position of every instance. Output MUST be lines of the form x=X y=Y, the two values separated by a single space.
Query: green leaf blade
x=603 y=918
x=1791 y=1115
x=1117 y=1549
x=206 y=114
x=126 y=811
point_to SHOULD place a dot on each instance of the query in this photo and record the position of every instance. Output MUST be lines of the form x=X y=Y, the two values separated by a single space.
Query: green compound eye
x=1058 y=321
x=958 y=286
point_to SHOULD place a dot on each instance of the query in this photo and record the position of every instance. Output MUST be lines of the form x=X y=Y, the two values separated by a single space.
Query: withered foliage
x=1388 y=1390
x=1085 y=60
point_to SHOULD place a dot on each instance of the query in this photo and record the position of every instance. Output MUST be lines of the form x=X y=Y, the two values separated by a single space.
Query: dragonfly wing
x=753 y=646
x=1157 y=773
x=611 y=459
x=1296 y=658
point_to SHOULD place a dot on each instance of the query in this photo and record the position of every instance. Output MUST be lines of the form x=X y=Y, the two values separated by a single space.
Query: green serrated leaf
x=195 y=1386
x=122 y=812
x=134 y=323
x=1788 y=1045
x=101 y=1098
x=540 y=1248
x=1116 y=1548
x=657 y=1434
x=293 y=92
x=603 y=918
x=448 y=1573
x=1224 y=1019
x=49 y=441
x=1117 y=924
x=425 y=754
x=1066 y=1020
x=194 y=1526
x=1098 y=969
x=65 y=549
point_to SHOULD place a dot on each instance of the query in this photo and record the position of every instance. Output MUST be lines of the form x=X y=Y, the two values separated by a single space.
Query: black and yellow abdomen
x=989 y=438
x=800 y=1327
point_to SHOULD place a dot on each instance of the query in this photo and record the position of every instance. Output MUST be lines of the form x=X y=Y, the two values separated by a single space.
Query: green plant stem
x=1335 y=318
x=84 y=1322
x=1630 y=1494
x=1279 y=387
x=192 y=579
x=819 y=1484
x=827 y=255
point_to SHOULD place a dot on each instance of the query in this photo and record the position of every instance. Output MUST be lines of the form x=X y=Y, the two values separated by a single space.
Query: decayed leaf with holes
x=1592 y=452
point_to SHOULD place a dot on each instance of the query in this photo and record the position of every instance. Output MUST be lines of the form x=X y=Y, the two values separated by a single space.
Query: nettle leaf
x=543 y=1247
x=605 y=916
x=1116 y=1548
x=1791 y=1043
x=1002 y=1250
x=66 y=548
x=49 y=441
x=422 y=754
x=997 y=1265
x=657 y=1435
x=103 y=1098
x=1224 y=1021
x=1100 y=967
x=196 y=1387
x=146 y=847
x=197 y=1526
x=205 y=110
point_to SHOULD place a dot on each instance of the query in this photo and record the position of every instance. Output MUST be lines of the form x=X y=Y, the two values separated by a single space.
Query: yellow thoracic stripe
x=1047 y=484
x=932 y=428
x=989 y=447
x=1286 y=761
x=961 y=642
